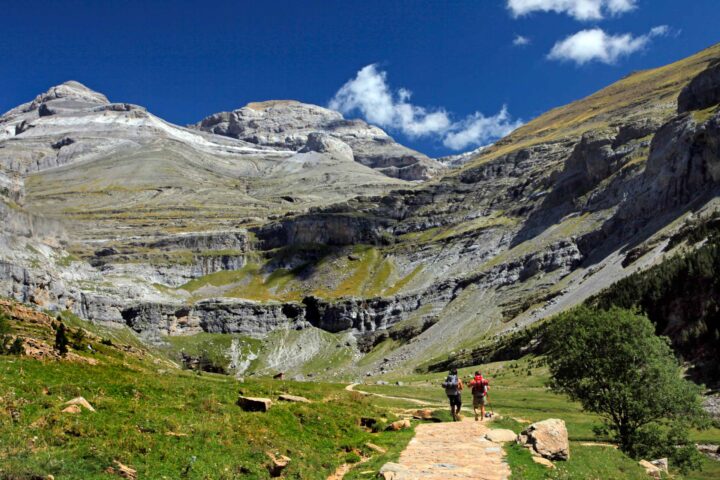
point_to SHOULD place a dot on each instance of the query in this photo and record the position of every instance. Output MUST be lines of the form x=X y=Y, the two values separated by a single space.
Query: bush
x=16 y=348
x=61 y=340
x=78 y=339
x=612 y=362
x=4 y=331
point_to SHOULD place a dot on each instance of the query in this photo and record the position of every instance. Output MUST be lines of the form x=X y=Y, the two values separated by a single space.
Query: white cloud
x=578 y=9
x=596 y=45
x=521 y=41
x=370 y=94
x=477 y=130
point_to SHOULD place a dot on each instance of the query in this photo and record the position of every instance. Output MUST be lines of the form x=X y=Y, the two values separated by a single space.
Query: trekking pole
x=492 y=412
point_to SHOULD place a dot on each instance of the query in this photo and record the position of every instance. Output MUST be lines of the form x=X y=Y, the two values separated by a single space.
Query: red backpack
x=480 y=385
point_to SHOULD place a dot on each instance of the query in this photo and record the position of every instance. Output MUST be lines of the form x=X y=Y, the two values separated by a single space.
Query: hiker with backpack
x=479 y=388
x=453 y=386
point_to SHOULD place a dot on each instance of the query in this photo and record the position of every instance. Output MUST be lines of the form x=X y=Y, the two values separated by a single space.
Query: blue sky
x=184 y=60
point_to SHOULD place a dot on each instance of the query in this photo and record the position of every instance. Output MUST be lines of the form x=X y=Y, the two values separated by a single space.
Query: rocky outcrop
x=289 y=124
x=703 y=91
x=548 y=438
x=324 y=143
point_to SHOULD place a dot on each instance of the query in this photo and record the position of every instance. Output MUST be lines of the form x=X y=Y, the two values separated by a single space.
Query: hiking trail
x=447 y=450
x=451 y=450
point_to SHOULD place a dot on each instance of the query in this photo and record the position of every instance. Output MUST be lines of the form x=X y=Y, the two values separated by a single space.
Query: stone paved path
x=450 y=450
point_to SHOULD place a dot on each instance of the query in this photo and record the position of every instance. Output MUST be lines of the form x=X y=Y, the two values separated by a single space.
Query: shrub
x=61 y=340
x=612 y=362
x=16 y=348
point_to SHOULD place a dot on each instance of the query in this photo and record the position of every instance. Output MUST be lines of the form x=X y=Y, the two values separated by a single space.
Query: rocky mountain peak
x=70 y=90
x=287 y=123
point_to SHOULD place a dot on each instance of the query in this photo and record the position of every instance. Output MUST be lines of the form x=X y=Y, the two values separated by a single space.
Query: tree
x=61 y=340
x=612 y=362
x=17 y=348
x=4 y=331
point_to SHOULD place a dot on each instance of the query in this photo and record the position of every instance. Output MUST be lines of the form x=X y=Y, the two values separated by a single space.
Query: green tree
x=16 y=348
x=612 y=362
x=4 y=331
x=61 y=341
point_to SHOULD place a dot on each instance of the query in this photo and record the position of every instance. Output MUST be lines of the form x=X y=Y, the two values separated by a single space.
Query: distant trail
x=457 y=450
x=351 y=388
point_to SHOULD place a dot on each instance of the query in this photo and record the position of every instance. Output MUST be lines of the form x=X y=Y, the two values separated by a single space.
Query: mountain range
x=327 y=249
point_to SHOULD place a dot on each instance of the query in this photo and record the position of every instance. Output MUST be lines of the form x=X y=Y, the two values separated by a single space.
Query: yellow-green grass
x=168 y=423
x=637 y=94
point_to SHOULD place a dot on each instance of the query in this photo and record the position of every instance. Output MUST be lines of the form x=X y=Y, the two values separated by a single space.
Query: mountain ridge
x=282 y=234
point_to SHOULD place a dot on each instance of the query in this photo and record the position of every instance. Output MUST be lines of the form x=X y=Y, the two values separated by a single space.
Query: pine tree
x=61 y=341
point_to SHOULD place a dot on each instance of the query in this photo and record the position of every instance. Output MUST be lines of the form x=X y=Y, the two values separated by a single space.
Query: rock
x=290 y=124
x=703 y=91
x=651 y=469
x=661 y=463
x=252 y=404
x=122 y=470
x=277 y=464
x=293 y=398
x=279 y=376
x=424 y=414
x=548 y=439
x=72 y=409
x=392 y=471
x=543 y=461
x=375 y=448
x=324 y=143
x=80 y=401
x=399 y=425
x=501 y=435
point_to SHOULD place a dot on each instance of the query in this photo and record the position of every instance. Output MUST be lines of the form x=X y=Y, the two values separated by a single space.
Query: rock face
x=548 y=438
x=279 y=220
x=702 y=92
x=289 y=124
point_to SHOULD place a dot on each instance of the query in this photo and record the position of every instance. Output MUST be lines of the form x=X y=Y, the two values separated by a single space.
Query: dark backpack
x=451 y=385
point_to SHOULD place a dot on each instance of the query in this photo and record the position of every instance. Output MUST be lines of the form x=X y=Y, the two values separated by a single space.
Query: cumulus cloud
x=520 y=41
x=477 y=129
x=596 y=45
x=370 y=95
x=578 y=9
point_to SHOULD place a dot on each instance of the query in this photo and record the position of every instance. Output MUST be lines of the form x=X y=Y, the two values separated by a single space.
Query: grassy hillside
x=162 y=421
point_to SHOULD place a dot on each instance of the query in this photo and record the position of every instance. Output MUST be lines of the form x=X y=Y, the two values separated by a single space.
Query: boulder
x=399 y=425
x=501 y=435
x=424 y=414
x=661 y=463
x=392 y=471
x=548 y=438
x=277 y=464
x=81 y=402
x=72 y=409
x=651 y=469
x=252 y=404
x=293 y=398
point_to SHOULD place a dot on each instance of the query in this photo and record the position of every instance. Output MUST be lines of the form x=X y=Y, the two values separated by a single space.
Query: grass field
x=169 y=423
x=521 y=398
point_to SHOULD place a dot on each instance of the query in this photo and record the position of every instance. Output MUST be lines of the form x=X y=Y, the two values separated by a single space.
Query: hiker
x=479 y=388
x=453 y=386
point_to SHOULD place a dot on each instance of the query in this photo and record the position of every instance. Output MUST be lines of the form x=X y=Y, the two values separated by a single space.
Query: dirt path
x=442 y=451
x=423 y=403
